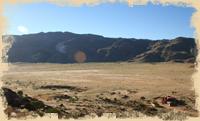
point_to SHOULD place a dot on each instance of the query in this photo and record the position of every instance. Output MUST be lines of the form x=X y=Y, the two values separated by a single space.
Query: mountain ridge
x=68 y=47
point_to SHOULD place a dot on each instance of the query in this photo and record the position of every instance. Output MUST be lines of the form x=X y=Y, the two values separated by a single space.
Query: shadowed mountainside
x=66 y=47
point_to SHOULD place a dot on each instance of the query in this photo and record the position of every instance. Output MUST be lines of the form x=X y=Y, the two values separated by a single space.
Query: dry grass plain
x=105 y=87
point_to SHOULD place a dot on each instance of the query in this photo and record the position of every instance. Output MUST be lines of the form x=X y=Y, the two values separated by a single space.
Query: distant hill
x=66 y=47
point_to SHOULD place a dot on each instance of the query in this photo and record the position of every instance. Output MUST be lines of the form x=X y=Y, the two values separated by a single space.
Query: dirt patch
x=66 y=87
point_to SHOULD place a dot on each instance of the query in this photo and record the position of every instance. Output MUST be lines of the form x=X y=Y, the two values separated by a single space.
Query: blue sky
x=110 y=20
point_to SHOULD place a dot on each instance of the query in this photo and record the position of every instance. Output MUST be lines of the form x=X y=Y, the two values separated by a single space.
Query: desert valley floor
x=84 y=89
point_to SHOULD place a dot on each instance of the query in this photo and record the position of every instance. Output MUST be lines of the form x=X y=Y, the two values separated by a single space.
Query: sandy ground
x=105 y=87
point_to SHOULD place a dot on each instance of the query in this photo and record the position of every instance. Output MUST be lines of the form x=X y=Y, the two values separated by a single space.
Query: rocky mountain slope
x=66 y=47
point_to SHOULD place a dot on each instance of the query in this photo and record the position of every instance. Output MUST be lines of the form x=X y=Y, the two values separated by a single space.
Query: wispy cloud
x=22 y=29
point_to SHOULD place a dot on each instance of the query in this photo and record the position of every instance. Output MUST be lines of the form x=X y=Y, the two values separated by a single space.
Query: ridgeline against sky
x=110 y=20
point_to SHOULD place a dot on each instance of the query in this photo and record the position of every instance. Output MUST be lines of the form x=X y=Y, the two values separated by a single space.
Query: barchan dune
x=194 y=22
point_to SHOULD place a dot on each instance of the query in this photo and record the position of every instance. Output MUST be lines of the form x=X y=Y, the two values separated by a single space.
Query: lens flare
x=80 y=57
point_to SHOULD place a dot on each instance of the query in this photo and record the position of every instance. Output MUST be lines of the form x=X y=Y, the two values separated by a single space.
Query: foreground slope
x=125 y=89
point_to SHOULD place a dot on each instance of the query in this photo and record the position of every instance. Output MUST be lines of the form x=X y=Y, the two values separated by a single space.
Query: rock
x=113 y=93
x=125 y=97
x=18 y=101
x=13 y=99
x=142 y=98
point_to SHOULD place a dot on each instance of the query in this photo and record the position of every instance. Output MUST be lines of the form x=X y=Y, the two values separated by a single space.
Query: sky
x=108 y=19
